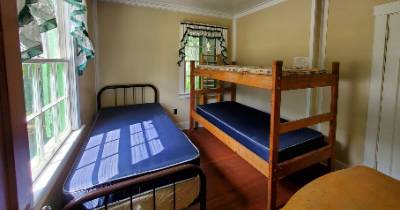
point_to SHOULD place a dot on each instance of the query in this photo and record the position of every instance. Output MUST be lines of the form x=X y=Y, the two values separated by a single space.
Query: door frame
x=381 y=13
x=15 y=176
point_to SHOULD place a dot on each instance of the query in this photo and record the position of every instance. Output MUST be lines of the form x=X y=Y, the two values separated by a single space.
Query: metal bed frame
x=149 y=180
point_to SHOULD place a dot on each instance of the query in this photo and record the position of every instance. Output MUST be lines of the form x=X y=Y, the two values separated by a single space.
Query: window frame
x=46 y=150
x=184 y=90
x=65 y=56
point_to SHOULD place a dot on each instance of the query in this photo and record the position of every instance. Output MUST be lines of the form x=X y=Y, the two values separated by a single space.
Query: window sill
x=184 y=95
x=44 y=183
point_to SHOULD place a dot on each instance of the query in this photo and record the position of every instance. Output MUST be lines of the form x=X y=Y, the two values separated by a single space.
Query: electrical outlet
x=175 y=111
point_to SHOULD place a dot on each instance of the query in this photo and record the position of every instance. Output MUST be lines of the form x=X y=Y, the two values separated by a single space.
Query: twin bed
x=135 y=157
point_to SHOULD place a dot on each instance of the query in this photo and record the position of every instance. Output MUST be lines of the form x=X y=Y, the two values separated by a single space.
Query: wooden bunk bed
x=277 y=81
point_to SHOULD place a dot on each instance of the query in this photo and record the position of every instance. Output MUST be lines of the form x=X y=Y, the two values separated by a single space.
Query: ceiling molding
x=388 y=8
x=158 y=4
x=257 y=8
x=173 y=7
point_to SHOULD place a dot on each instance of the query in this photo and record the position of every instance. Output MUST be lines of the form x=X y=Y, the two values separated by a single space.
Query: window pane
x=209 y=46
x=187 y=78
x=193 y=42
x=28 y=75
x=187 y=84
x=62 y=116
x=192 y=53
x=52 y=47
x=48 y=126
x=33 y=138
x=60 y=79
x=45 y=84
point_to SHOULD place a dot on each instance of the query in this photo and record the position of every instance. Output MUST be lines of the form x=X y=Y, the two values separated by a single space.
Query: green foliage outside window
x=195 y=47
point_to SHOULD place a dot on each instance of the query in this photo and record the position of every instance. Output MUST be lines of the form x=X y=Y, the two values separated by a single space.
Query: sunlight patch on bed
x=156 y=147
x=139 y=153
x=143 y=141
x=113 y=135
x=108 y=168
x=89 y=156
x=94 y=141
x=109 y=158
x=82 y=177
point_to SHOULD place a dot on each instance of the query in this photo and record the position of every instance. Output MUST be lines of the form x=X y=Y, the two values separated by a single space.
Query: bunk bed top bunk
x=262 y=77
x=127 y=142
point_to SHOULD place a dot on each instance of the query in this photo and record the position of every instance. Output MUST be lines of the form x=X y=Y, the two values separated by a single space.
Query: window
x=195 y=48
x=47 y=97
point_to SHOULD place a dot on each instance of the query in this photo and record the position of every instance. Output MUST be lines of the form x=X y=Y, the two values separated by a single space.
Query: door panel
x=389 y=135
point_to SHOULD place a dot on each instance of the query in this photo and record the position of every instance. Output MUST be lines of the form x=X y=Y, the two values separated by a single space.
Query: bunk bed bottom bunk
x=250 y=127
x=129 y=142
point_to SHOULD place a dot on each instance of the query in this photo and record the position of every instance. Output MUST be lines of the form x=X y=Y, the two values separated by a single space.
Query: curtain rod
x=205 y=25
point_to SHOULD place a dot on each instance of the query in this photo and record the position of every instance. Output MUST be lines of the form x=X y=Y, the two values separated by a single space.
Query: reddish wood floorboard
x=233 y=184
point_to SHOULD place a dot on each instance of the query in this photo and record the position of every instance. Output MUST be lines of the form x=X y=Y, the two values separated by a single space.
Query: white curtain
x=84 y=50
x=201 y=30
x=34 y=17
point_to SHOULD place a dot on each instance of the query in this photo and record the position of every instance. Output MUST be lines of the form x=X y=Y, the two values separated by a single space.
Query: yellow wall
x=140 y=45
x=350 y=39
x=87 y=95
x=281 y=32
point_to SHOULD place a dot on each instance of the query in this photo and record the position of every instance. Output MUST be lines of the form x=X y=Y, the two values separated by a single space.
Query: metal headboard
x=126 y=87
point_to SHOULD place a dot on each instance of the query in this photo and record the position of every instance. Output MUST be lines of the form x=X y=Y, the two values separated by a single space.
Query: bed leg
x=331 y=164
x=272 y=193
x=192 y=124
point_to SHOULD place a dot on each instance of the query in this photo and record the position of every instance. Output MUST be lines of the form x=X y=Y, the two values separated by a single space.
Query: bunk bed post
x=233 y=91
x=219 y=86
x=274 y=134
x=192 y=95
x=333 y=110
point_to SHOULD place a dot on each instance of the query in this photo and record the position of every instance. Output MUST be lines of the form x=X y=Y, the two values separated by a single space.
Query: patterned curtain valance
x=34 y=17
x=200 y=30
x=83 y=46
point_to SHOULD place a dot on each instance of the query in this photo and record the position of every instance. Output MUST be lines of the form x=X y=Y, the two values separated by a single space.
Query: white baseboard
x=183 y=125
x=339 y=165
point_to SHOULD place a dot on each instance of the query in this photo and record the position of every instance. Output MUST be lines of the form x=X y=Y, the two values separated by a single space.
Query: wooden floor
x=233 y=184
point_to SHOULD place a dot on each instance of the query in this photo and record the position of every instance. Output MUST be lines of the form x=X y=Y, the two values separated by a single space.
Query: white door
x=388 y=156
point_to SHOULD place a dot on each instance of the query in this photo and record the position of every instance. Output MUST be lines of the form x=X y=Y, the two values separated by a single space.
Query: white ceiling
x=218 y=8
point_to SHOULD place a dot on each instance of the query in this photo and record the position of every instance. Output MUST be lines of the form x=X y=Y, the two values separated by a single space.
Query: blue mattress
x=127 y=142
x=250 y=127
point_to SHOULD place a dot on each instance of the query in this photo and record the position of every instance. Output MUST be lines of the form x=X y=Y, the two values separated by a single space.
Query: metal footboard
x=172 y=174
